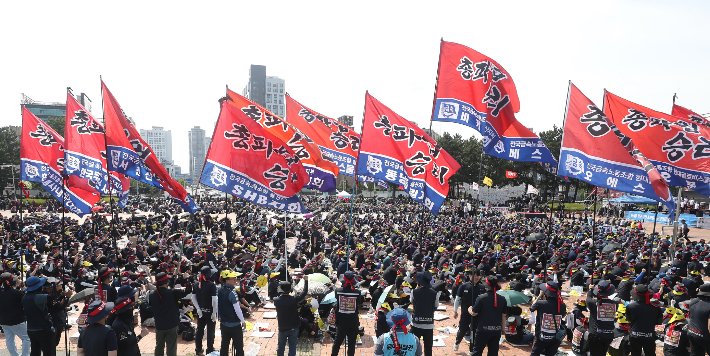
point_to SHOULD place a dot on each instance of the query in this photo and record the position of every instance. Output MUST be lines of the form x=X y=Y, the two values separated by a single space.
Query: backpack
x=189 y=333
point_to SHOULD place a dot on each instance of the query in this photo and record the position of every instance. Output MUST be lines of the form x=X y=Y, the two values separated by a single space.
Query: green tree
x=56 y=123
x=9 y=155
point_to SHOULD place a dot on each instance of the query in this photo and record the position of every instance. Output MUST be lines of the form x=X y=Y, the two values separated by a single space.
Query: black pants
x=235 y=334
x=491 y=340
x=205 y=321
x=42 y=343
x=428 y=336
x=342 y=332
x=647 y=345
x=598 y=346
x=698 y=347
x=547 y=348
x=464 y=326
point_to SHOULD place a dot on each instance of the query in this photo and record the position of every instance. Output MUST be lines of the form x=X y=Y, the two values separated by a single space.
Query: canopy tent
x=343 y=194
x=532 y=190
x=632 y=199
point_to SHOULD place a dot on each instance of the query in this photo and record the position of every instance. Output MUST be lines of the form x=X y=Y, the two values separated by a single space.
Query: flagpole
x=108 y=173
x=22 y=248
x=436 y=86
x=352 y=197
x=480 y=171
x=675 y=222
x=61 y=272
x=594 y=227
x=564 y=121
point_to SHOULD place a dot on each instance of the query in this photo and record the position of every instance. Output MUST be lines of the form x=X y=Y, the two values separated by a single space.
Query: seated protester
x=580 y=339
x=440 y=286
x=398 y=340
x=82 y=282
x=576 y=318
x=273 y=286
x=625 y=286
x=550 y=310
x=381 y=324
x=515 y=328
x=675 y=341
x=679 y=294
x=620 y=343
x=519 y=282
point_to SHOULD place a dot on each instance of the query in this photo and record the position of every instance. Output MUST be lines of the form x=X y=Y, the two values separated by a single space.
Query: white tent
x=532 y=190
x=343 y=194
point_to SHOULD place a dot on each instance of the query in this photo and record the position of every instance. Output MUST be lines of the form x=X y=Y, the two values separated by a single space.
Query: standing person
x=466 y=297
x=230 y=314
x=164 y=305
x=602 y=314
x=204 y=297
x=550 y=309
x=398 y=340
x=698 y=333
x=347 y=320
x=97 y=339
x=643 y=318
x=288 y=317
x=39 y=322
x=491 y=310
x=12 y=315
x=123 y=325
x=425 y=300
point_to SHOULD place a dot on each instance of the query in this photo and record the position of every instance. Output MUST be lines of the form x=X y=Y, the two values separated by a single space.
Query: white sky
x=167 y=62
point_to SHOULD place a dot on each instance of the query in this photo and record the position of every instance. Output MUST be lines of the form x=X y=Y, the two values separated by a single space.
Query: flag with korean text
x=337 y=142
x=42 y=161
x=129 y=154
x=368 y=179
x=678 y=148
x=395 y=150
x=681 y=112
x=249 y=162
x=595 y=152
x=85 y=152
x=473 y=89
x=511 y=174
x=321 y=171
x=520 y=144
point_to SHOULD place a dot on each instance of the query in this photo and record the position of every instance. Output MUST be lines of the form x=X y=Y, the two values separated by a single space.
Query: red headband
x=495 y=296
x=98 y=310
x=559 y=296
x=348 y=282
x=164 y=278
x=121 y=305
x=397 y=323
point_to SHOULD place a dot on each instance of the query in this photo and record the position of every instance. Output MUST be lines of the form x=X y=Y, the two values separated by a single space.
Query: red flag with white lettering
x=510 y=174
x=397 y=151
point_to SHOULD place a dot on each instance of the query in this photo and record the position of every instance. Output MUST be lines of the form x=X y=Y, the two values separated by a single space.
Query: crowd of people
x=183 y=274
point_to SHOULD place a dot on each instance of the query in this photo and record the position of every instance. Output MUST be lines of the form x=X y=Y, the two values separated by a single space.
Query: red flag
x=681 y=112
x=321 y=172
x=131 y=154
x=472 y=88
x=594 y=151
x=249 y=162
x=395 y=150
x=336 y=141
x=42 y=160
x=678 y=148
x=85 y=151
x=509 y=174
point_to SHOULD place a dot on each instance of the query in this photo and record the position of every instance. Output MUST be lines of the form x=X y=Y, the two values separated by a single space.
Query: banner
x=367 y=179
x=397 y=151
x=336 y=141
x=678 y=148
x=663 y=219
x=42 y=160
x=85 y=152
x=592 y=151
x=248 y=162
x=471 y=88
x=509 y=174
x=131 y=155
x=321 y=172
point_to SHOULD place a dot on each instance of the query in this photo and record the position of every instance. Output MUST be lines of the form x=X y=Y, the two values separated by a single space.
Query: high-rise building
x=347 y=120
x=196 y=139
x=267 y=91
x=161 y=141
x=208 y=141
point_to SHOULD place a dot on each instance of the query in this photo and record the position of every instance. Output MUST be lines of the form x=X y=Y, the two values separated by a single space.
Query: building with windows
x=208 y=142
x=44 y=110
x=267 y=91
x=161 y=141
x=196 y=141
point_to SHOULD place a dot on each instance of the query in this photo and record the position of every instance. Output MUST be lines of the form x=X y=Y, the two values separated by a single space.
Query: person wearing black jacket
x=347 y=321
x=643 y=318
x=466 y=297
x=698 y=333
x=39 y=322
x=602 y=314
x=425 y=301
x=123 y=325
x=204 y=298
x=164 y=305
x=549 y=309
x=288 y=317
x=97 y=339
x=12 y=315
x=491 y=311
